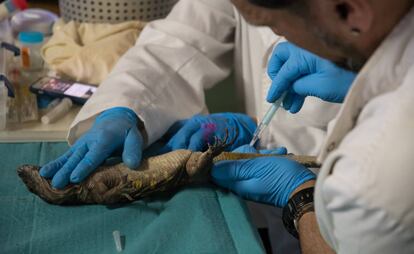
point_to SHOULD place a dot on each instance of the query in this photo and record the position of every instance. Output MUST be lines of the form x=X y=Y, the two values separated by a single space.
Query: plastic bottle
x=30 y=44
x=6 y=91
x=38 y=20
x=7 y=52
x=6 y=34
x=7 y=9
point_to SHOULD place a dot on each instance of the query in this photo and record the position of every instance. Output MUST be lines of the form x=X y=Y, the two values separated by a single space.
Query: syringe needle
x=266 y=119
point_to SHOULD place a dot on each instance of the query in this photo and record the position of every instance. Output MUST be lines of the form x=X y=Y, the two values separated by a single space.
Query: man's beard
x=353 y=60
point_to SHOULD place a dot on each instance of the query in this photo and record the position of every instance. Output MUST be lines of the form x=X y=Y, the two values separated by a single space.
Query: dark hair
x=274 y=3
x=297 y=6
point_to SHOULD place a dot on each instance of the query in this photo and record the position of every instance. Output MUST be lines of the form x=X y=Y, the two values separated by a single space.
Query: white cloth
x=364 y=193
x=175 y=59
x=87 y=52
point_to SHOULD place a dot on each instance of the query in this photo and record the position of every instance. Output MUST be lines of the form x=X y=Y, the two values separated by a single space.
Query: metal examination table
x=196 y=220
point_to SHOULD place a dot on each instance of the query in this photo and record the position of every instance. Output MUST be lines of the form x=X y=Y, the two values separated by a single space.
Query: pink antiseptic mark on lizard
x=208 y=130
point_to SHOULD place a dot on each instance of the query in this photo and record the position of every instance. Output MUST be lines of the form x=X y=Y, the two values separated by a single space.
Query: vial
x=58 y=111
x=30 y=44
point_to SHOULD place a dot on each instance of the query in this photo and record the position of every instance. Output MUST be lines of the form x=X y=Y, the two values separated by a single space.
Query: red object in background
x=21 y=4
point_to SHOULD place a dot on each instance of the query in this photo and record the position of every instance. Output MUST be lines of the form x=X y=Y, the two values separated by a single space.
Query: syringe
x=266 y=119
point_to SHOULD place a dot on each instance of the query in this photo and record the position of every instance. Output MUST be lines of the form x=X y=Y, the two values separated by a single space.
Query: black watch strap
x=298 y=205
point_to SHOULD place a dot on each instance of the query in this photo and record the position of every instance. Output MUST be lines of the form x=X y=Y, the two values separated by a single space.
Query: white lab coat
x=364 y=193
x=164 y=76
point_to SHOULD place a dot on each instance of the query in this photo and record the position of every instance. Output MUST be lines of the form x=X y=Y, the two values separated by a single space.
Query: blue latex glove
x=301 y=73
x=269 y=180
x=249 y=149
x=195 y=133
x=113 y=130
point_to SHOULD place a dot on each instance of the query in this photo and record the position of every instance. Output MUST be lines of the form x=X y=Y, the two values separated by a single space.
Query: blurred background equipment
x=30 y=43
x=87 y=58
x=7 y=90
x=87 y=52
x=58 y=111
x=33 y=20
x=110 y=11
x=9 y=7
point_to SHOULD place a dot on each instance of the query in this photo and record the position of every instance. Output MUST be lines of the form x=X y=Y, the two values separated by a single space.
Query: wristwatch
x=298 y=205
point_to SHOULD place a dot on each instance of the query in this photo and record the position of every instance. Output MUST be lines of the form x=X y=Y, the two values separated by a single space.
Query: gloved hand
x=249 y=149
x=269 y=180
x=301 y=73
x=113 y=130
x=195 y=133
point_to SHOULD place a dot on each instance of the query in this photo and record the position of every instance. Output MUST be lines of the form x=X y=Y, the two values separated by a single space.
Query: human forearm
x=311 y=240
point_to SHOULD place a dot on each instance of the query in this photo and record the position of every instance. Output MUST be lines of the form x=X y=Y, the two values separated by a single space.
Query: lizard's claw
x=221 y=144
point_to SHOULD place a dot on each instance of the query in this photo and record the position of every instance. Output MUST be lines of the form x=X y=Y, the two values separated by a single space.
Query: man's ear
x=358 y=15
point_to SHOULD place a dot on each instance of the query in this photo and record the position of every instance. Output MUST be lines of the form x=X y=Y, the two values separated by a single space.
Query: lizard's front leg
x=199 y=165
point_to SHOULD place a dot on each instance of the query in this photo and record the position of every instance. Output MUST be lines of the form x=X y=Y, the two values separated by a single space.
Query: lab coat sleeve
x=355 y=218
x=363 y=198
x=163 y=77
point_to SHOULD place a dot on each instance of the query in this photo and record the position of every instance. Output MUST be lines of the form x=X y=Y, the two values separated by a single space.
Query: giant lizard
x=118 y=184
